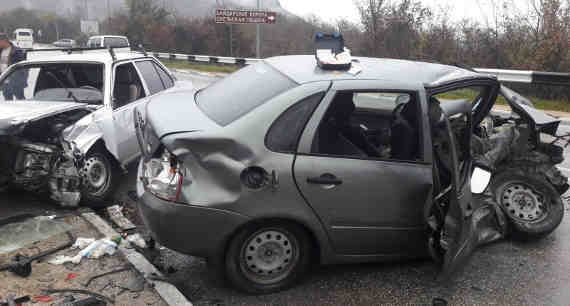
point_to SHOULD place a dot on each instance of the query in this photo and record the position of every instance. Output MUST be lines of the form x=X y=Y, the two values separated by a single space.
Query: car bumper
x=189 y=229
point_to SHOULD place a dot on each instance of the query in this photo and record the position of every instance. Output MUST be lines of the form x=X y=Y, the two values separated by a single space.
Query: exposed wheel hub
x=95 y=174
x=524 y=203
x=269 y=254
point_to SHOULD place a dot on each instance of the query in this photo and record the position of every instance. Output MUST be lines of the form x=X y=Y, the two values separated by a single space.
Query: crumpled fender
x=86 y=132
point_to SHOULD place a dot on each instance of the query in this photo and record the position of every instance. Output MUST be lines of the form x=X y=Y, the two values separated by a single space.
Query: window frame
x=308 y=138
x=112 y=93
x=296 y=150
x=145 y=80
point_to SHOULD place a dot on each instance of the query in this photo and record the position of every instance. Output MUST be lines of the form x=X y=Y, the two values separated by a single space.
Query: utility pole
x=257 y=27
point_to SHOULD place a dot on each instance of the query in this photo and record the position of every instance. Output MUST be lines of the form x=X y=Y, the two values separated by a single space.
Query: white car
x=66 y=121
x=65 y=43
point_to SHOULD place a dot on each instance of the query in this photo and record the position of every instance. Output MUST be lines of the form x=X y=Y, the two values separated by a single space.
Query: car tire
x=532 y=205
x=268 y=257
x=99 y=178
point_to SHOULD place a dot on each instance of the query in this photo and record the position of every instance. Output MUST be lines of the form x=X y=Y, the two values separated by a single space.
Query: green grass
x=180 y=64
x=543 y=104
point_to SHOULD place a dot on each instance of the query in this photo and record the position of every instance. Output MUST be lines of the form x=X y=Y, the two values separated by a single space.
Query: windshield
x=24 y=34
x=71 y=82
x=232 y=97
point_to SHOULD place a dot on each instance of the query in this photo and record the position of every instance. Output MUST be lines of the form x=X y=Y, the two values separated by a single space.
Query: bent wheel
x=532 y=204
x=267 y=258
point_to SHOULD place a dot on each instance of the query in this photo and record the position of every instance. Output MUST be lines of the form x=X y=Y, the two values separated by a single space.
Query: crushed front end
x=34 y=157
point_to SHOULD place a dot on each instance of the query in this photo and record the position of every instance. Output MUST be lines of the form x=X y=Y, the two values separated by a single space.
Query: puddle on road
x=17 y=235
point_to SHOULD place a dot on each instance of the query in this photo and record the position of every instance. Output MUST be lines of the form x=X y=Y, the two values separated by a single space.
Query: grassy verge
x=544 y=104
x=178 y=64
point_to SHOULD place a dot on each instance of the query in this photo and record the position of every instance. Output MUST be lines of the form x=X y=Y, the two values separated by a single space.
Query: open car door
x=458 y=220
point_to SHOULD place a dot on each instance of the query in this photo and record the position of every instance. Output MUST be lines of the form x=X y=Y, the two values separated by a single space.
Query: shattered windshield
x=68 y=82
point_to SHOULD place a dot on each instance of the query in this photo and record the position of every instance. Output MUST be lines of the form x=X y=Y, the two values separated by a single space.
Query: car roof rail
x=141 y=49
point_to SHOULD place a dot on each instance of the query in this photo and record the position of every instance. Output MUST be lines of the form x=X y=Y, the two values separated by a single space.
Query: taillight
x=165 y=177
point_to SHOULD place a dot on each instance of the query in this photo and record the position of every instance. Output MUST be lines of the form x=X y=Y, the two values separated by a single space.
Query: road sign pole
x=258 y=45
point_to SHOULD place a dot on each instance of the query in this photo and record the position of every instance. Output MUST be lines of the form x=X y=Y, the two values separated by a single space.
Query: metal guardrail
x=503 y=75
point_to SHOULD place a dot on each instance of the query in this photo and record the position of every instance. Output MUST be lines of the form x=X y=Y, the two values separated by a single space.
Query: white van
x=24 y=38
x=105 y=41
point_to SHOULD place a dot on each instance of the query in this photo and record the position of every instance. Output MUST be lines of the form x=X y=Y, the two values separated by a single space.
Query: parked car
x=65 y=43
x=24 y=38
x=282 y=164
x=105 y=41
x=66 y=127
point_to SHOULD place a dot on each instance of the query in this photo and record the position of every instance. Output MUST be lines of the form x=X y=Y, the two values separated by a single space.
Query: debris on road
x=116 y=215
x=14 y=301
x=42 y=299
x=22 y=265
x=94 y=250
x=137 y=240
x=125 y=268
x=80 y=291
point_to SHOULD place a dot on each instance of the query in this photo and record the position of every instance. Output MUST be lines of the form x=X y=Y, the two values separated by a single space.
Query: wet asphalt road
x=504 y=273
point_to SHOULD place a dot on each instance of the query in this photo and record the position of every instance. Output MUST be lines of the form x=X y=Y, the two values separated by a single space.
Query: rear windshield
x=241 y=92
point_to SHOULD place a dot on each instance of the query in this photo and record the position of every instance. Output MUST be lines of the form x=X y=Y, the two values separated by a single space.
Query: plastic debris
x=81 y=243
x=119 y=219
x=94 y=250
x=71 y=276
x=41 y=299
x=137 y=240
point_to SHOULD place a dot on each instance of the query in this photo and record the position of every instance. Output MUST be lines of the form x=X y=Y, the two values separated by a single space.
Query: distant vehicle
x=65 y=43
x=104 y=41
x=24 y=38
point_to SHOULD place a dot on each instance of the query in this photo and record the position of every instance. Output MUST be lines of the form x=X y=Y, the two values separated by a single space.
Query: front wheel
x=270 y=257
x=533 y=205
x=99 y=176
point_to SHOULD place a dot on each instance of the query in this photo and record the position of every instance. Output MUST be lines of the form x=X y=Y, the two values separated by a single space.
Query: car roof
x=304 y=69
x=102 y=56
x=103 y=36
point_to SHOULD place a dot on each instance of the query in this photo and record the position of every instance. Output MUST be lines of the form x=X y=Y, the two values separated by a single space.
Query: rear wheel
x=532 y=204
x=265 y=258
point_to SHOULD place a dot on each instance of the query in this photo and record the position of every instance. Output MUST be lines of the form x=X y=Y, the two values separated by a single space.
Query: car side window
x=94 y=42
x=164 y=76
x=127 y=86
x=151 y=77
x=285 y=132
x=370 y=125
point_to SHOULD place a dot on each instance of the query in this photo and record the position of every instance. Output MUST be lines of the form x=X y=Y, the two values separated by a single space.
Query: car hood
x=176 y=112
x=16 y=114
x=525 y=109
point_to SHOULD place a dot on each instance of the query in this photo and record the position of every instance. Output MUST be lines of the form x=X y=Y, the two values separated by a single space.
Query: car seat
x=404 y=131
x=127 y=88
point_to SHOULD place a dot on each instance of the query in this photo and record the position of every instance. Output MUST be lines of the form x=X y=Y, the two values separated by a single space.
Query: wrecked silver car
x=319 y=166
x=66 y=124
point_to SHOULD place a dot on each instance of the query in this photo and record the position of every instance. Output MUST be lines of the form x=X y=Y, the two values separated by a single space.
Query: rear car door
x=370 y=201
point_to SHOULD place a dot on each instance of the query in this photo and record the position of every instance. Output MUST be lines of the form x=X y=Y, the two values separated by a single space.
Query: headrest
x=124 y=75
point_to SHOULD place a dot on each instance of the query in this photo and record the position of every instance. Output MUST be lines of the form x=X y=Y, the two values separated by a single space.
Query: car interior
x=128 y=86
x=370 y=125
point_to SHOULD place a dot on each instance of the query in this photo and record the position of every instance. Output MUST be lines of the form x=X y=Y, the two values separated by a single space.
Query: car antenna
x=112 y=52
x=141 y=48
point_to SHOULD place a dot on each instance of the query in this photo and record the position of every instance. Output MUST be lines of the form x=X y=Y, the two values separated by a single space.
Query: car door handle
x=325 y=179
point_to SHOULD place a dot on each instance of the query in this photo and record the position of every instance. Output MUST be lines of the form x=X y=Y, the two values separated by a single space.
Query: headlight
x=165 y=176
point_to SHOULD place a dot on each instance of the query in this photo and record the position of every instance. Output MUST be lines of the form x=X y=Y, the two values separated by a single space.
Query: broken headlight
x=34 y=160
x=164 y=177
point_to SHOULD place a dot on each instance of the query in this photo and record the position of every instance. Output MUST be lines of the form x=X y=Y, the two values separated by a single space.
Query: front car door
x=368 y=190
x=458 y=220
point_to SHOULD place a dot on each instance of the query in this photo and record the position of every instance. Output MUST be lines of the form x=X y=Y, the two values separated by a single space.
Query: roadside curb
x=563 y=120
x=168 y=292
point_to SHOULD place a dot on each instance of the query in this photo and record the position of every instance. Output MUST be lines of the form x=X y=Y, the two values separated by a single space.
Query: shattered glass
x=16 y=235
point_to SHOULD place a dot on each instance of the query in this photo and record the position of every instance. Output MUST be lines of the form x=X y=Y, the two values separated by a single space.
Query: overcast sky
x=331 y=10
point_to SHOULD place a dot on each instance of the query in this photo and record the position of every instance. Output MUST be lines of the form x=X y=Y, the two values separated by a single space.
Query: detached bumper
x=193 y=230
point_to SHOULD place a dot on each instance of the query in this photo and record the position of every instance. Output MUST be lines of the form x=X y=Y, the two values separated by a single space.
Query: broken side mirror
x=480 y=179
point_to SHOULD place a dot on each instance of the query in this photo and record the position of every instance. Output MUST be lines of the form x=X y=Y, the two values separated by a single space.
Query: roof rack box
x=328 y=47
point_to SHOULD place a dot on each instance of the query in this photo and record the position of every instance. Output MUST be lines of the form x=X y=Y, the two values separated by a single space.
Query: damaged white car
x=66 y=125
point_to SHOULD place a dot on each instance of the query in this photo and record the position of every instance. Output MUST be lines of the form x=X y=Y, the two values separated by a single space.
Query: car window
x=164 y=76
x=151 y=77
x=370 y=125
x=284 y=134
x=470 y=93
x=128 y=86
x=55 y=82
x=94 y=42
x=115 y=42
x=232 y=97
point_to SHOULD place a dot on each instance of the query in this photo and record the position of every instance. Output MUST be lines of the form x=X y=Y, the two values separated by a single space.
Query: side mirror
x=480 y=179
